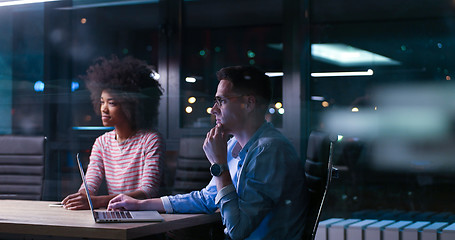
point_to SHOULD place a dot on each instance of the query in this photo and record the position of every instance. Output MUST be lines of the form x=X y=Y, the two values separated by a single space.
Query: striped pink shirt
x=134 y=164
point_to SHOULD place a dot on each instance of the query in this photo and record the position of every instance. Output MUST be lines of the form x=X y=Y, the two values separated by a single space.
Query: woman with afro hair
x=126 y=95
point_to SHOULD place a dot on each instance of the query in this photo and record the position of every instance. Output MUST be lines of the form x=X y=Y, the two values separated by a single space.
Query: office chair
x=192 y=171
x=21 y=167
x=318 y=171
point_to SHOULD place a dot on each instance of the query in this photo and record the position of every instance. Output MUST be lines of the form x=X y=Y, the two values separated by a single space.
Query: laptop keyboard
x=115 y=215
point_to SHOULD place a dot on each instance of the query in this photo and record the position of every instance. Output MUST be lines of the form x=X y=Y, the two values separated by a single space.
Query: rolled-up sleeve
x=167 y=204
x=202 y=201
x=223 y=192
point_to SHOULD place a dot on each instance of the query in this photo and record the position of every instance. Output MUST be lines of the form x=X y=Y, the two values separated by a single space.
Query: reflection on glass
x=200 y=66
x=398 y=142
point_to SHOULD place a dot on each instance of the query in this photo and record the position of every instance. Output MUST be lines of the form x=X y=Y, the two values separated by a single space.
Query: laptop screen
x=81 y=170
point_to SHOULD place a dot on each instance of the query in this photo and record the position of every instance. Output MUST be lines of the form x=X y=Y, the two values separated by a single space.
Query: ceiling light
x=191 y=100
x=345 y=55
x=276 y=46
x=89 y=4
x=369 y=72
x=274 y=74
x=19 y=2
x=317 y=98
x=190 y=79
x=278 y=105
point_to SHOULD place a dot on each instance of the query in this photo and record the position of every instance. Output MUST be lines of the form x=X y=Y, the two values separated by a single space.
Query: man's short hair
x=248 y=80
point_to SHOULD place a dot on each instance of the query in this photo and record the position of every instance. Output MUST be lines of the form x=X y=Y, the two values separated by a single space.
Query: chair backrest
x=192 y=171
x=318 y=172
x=21 y=167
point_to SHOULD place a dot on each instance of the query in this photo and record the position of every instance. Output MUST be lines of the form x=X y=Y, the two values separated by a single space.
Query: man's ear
x=251 y=103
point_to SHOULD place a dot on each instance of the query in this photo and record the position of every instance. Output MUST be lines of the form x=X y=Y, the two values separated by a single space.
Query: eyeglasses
x=222 y=100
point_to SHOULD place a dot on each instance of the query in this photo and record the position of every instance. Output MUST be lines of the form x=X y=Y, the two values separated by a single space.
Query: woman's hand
x=76 y=201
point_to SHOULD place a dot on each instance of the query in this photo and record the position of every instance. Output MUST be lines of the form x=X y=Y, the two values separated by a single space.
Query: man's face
x=229 y=108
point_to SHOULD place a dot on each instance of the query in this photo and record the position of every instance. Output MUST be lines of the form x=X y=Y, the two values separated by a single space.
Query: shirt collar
x=237 y=150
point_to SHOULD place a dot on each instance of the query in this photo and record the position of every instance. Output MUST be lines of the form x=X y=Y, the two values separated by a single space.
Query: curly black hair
x=133 y=83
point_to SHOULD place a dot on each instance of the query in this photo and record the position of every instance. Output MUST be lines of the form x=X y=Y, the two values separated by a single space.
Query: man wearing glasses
x=258 y=180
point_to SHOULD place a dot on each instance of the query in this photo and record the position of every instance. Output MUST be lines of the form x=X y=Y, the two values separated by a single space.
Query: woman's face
x=112 y=114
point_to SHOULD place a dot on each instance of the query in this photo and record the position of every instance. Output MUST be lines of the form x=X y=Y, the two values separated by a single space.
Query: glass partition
x=21 y=65
x=44 y=48
x=206 y=51
x=380 y=76
x=103 y=29
x=216 y=34
x=384 y=84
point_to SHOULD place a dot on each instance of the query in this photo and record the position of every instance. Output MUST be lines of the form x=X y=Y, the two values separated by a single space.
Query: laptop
x=117 y=216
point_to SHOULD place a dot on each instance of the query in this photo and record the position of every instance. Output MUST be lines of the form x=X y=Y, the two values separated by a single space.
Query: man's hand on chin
x=215 y=145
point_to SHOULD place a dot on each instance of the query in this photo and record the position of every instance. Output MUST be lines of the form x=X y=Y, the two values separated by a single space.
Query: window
x=392 y=109
x=217 y=34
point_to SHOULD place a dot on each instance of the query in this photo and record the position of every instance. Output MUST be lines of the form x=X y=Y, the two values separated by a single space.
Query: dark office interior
x=393 y=111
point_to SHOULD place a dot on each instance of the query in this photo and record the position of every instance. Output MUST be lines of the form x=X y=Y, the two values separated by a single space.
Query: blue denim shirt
x=268 y=198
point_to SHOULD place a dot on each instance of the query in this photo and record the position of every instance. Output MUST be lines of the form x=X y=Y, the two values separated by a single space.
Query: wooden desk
x=37 y=218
